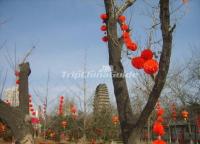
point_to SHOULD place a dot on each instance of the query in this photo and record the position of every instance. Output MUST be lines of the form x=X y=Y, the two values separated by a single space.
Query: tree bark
x=17 y=118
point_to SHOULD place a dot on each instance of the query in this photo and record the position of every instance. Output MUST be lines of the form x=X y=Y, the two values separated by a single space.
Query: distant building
x=11 y=95
x=101 y=99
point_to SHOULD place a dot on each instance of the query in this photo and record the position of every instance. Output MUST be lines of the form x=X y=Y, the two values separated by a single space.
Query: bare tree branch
x=124 y=6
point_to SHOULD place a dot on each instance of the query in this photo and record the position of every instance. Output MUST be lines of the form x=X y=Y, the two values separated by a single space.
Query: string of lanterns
x=145 y=61
x=158 y=128
x=61 y=102
x=31 y=108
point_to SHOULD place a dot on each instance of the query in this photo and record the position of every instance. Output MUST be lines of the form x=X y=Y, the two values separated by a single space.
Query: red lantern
x=30 y=105
x=61 y=97
x=124 y=27
x=31 y=109
x=132 y=46
x=105 y=39
x=159 y=141
x=158 y=128
x=33 y=113
x=115 y=119
x=137 y=62
x=104 y=16
x=122 y=18
x=185 y=114
x=103 y=28
x=73 y=109
x=17 y=82
x=126 y=35
x=151 y=66
x=160 y=111
x=147 y=54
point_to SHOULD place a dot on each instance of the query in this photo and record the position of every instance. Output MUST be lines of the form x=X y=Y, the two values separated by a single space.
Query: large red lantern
x=147 y=54
x=151 y=66
x=158 y=129
x=104 y=16
x=137 y=62
x=122 y=18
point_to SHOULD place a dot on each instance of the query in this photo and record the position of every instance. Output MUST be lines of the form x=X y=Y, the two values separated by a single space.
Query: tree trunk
x=18 y=119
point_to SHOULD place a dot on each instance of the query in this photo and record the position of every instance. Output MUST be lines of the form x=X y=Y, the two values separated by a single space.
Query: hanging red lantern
x=31 y=109
x=126 y=35
x=30 y=105
x=137 y=62
x=103 y=28
x=159 y=141
x=61 y=97
x=160 y=111
x=147 y=54
x=160 y=119
x=105 y=39
x=17 y=82
x=151 y=66
x=158 y=128
x=73 y=109
x=185 y=114
x=131 y=46
x=115 y=119
x=124 y=27
x=33 y=113
x=122 y=18
x=104 y=16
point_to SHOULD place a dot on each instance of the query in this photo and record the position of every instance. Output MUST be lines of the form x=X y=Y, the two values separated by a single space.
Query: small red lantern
x=158 y=128
x=17 y=82
x=159 y=141
x=73 y=109
x=124 y=27
x=122 y=18
x=126 y=35
x=105 y=39
x=30 y=105
x=115 y=119
x=103 y=28
x=131 y=46
x=147 y=54
x=151 y=66
x=185 y=114
x=33 y=113
x=137 y=62
x=104 y=16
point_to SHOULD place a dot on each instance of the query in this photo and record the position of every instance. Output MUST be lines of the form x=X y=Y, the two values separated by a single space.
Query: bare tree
x=130 y=130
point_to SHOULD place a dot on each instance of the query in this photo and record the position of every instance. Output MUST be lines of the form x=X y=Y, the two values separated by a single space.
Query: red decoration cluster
x=146 y=62
x=17 y=73
x=31 y=108
x=103 y=28
x=61 y=102
x=125 y=34
x=158 y=128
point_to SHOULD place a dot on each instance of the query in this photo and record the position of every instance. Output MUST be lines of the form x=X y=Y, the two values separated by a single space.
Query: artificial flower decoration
x=124 y=27
x=103 y=28
x=105 y=39
x=158 y=128
x=137 y=62
x=158 y=141
x=151 y=66
x=122 y=18
x=147 y=54
x=104 y=16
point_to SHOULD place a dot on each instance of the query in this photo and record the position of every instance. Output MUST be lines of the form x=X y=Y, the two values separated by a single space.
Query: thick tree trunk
x=17 y=118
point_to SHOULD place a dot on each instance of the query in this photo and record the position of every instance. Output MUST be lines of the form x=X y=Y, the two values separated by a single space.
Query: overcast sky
x=63 y=30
